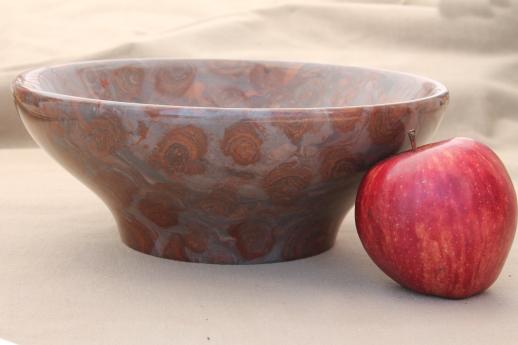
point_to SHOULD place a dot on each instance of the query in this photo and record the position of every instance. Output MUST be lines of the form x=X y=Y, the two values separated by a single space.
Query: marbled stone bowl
x=224 y=161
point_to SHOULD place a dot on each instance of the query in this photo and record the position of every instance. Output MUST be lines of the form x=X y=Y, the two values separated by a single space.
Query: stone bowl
x=221 y=161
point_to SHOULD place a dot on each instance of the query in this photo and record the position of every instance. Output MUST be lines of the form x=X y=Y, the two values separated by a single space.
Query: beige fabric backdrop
x=65 y=278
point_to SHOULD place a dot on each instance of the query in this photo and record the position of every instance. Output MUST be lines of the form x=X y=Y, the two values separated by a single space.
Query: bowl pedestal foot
x=244 y=243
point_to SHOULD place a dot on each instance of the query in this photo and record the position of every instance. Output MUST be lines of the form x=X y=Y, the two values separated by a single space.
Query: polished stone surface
x=225 y=161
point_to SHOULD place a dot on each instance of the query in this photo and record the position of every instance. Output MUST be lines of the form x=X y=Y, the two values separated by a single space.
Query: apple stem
x=411 y=136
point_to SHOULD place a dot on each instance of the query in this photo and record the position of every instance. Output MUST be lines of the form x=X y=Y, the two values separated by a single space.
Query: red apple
x=439 y=219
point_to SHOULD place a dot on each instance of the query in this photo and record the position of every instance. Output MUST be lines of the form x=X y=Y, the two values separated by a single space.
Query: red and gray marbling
x=224 y=161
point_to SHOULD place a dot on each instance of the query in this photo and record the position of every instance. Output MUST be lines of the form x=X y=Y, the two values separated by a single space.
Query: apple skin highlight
x=439 y=219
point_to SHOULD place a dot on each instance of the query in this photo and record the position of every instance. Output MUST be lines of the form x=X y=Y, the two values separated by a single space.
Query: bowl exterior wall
x=216 y=186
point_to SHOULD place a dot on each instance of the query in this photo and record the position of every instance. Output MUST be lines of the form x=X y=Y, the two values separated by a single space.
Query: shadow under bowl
x=222 y=161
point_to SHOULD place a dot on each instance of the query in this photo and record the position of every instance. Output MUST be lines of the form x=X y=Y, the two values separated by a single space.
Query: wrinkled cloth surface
x=65 y=277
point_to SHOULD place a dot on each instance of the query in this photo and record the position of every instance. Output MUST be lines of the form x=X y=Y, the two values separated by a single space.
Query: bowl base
x=248 y=247
x=215 y=261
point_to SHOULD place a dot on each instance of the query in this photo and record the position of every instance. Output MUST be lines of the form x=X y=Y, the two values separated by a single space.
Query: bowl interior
x=231 y=84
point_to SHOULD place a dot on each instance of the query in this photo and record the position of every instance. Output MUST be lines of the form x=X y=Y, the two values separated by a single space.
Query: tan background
x=65 y=278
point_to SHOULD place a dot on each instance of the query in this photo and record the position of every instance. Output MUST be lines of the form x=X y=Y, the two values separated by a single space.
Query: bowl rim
x=20 y=83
